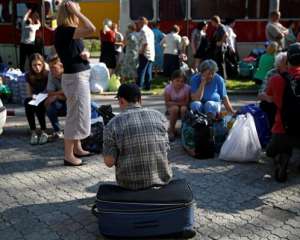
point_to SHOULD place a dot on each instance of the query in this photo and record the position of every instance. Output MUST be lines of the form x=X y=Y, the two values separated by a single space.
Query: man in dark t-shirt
x=218 y=45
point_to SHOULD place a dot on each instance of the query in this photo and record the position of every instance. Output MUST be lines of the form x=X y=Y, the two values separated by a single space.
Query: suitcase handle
x=95 y=211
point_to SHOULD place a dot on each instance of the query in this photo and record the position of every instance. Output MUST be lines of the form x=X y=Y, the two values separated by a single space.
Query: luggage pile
x=242 y=143
x=202 y=137
x=15 y=81
x=248 y=65
x=238 y=139
x=249 y=134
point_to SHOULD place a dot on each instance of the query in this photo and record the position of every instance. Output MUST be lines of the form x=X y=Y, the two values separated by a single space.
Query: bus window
x=224 y=8
x=140 y=8
x=21 y=11
x=258 y=9
x=6 y=11
x=172 y=9
x=290 y=8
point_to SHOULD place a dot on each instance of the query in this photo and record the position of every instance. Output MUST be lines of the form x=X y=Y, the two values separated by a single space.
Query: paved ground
x=41 y=199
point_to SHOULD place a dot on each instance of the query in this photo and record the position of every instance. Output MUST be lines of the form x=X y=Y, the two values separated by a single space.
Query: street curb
x=115 y=93
x=243 y=92
x=231 y=92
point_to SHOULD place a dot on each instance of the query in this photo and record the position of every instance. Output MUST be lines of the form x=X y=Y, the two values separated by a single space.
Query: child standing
x=266 y=63
x=177 y=97
x=36 y=78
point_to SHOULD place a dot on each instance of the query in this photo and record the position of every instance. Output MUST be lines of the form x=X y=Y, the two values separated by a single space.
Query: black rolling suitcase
x=166 y=211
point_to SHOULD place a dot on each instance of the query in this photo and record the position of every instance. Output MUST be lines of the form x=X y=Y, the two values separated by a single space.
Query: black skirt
x=171 y=63
x=202 y=51
x=108 y=54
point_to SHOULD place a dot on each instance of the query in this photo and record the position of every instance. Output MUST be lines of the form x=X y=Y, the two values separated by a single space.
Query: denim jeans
x=144 y=73
x=54 y=110
x=208 y=107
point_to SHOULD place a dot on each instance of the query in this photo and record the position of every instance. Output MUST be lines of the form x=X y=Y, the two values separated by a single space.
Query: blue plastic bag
x=94 y=112
x=261 y=122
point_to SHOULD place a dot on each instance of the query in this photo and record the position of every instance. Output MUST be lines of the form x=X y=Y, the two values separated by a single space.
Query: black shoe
x=69 y=164
x=281 y=168
x=83 y=156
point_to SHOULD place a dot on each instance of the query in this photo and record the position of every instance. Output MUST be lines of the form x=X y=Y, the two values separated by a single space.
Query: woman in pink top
x=177 y=97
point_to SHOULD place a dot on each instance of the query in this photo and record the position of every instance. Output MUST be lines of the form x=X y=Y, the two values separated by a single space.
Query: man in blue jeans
x=146 y=54
x=56 y=101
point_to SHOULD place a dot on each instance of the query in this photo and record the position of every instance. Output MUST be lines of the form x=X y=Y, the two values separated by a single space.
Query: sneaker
x=43 y=138
x=59 y=135
x=34 y=139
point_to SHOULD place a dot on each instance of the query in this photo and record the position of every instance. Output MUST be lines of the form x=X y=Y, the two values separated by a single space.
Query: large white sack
x=2 y=117
x=242 y=143
x=99 y=78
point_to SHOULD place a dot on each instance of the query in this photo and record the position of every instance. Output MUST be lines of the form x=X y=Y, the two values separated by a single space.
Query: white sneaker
x=43 y=138
x=59 y=134
x=34 y=139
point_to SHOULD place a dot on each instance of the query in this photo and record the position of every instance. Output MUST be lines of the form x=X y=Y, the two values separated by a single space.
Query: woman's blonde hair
x=65 y=18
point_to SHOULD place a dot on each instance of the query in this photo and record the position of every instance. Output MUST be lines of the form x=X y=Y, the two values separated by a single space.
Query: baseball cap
x=293 y=54
x=130 y=92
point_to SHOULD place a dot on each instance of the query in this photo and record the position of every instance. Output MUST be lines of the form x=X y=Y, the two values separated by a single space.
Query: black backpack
x=290 y=111
x=203 y=134
x=106 y=112
x=94 y=142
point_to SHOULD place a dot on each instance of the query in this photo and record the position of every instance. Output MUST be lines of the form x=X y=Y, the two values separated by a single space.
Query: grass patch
x=240 y=84
x=159 y=83
x=93 y=46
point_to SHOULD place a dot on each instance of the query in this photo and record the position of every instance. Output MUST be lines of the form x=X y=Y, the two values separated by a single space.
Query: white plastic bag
x=2 y=117
x=242 y=143
x=99 y=78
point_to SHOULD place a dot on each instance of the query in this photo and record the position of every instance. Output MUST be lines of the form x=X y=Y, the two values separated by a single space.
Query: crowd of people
x=136 y=141
x=145 y=49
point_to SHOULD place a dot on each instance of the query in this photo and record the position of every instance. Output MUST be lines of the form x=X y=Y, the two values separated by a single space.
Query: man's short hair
x=144 y=20
x=175 y=28
x=130 y=92
x=275 y=13
x=53 y=59
x=216 y=19
x=293 y=54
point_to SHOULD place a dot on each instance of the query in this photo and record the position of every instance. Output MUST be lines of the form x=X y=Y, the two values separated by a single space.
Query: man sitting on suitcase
x=136 y=143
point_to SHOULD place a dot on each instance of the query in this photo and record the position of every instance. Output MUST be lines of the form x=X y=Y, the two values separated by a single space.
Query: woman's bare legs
x=78 y=150
x=174 y=113
x=69 y=152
